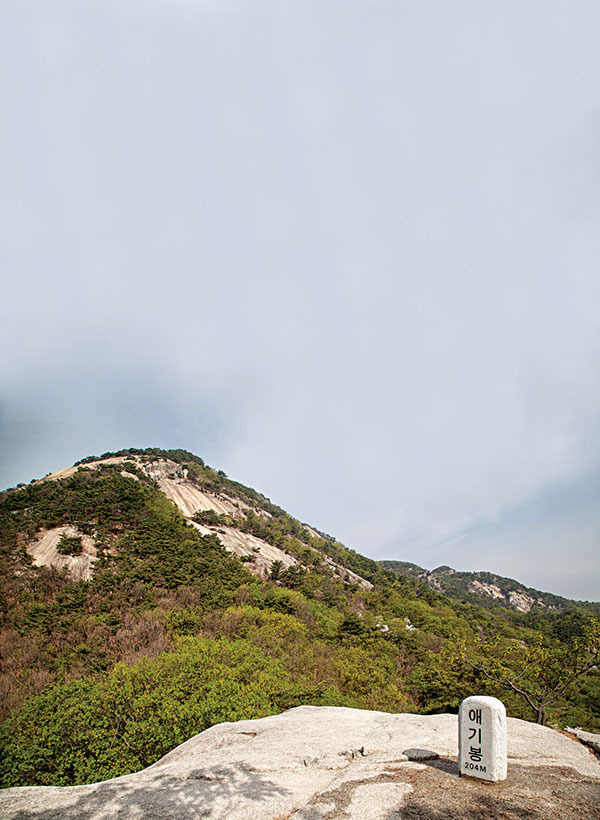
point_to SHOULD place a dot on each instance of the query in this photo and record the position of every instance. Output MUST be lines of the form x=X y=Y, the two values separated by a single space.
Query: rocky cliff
x=326 y=763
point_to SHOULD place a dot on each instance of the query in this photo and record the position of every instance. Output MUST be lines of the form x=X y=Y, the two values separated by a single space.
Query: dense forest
x=172 y=633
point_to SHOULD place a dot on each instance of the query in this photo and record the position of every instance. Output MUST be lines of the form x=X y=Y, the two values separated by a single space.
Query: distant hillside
x=487 y=589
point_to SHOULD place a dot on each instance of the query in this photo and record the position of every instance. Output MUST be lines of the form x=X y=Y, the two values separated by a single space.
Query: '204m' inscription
x=475 y=766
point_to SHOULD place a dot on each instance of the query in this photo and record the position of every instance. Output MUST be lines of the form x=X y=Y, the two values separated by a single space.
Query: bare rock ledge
x=325 y=763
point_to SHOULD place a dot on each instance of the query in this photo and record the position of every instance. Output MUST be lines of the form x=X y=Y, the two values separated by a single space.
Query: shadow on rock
x=214 y=794
x=529 y=793
x=444 y=764
x=486 y=808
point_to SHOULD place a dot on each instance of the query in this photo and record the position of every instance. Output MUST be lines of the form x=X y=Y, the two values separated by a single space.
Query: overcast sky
x=349 y=252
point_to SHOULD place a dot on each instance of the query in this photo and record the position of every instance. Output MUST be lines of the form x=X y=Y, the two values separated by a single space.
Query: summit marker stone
x=482 y=738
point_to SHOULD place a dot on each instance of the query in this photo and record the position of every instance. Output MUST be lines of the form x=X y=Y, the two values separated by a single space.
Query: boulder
x=326 y=763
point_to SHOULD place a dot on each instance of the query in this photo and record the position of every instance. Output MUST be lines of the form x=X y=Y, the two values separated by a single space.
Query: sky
x=346 y=251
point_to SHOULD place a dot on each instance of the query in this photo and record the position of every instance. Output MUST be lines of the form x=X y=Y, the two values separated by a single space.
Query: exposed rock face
x=190 y=499
x=324 y=763
x=262 y=553
x=521 y=601
x=45 y=554
x=172 y=479
x=486 y=589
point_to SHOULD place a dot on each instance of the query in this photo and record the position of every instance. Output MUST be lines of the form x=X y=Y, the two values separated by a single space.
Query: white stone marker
x=482 y=738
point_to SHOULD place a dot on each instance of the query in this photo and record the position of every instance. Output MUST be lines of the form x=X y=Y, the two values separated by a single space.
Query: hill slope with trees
x=488 y=589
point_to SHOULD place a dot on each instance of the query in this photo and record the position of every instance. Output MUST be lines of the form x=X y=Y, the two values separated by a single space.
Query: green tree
x=69 y=545
x=540 y=671
x=104 y=726
x=276 y=570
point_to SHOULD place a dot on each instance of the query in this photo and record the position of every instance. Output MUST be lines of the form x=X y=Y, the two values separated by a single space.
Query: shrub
x=69 y=545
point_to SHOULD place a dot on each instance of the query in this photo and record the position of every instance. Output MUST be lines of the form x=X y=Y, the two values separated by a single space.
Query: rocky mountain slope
x=487 y=589
x=217 y=508
x=225 y=508
x=315 y=763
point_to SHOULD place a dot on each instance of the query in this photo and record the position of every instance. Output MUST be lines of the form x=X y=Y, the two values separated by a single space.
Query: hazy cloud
x=347 y=253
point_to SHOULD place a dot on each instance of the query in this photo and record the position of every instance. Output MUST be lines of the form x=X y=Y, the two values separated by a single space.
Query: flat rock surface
x=326 y=763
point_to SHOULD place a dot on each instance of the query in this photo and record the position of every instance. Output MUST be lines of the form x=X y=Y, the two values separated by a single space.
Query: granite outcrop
x=329 y=763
